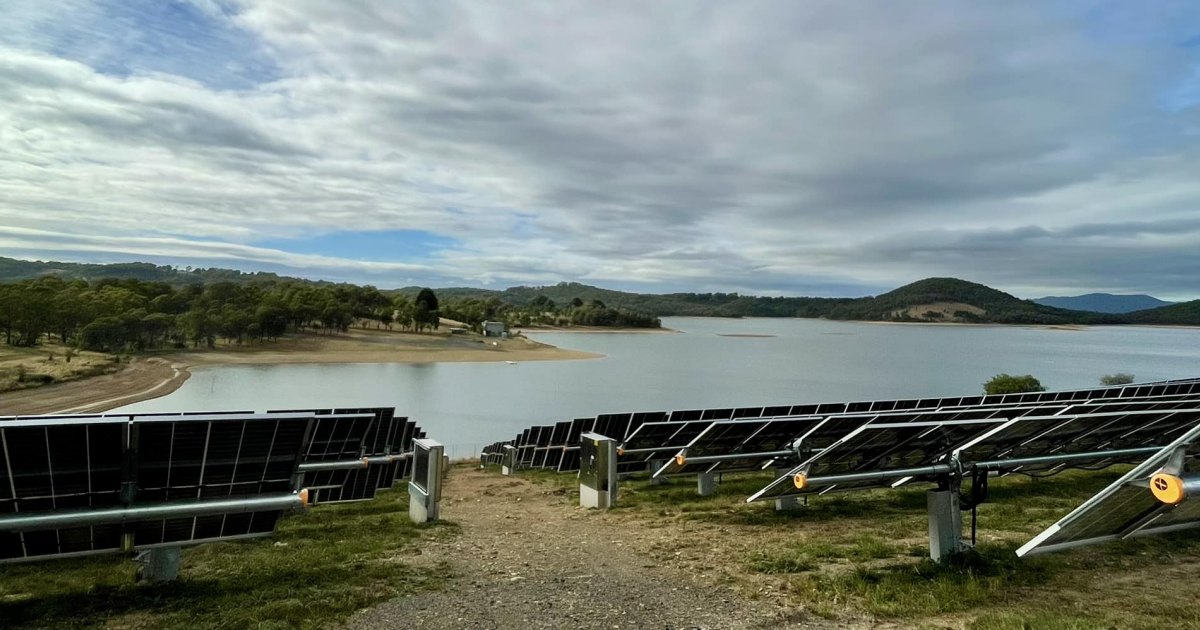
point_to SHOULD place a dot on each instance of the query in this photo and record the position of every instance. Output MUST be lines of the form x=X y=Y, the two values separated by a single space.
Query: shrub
x=1120 y=378
x=1009 y=384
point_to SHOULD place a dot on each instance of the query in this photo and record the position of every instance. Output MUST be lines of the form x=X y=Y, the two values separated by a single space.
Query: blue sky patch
x=127 y=37
x=382 y=246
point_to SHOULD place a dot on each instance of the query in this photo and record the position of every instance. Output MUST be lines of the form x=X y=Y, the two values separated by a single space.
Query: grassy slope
x=863 y=555
x=318 y=569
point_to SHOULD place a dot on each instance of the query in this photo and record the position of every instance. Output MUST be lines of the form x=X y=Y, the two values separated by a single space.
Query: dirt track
x=529 y=558
x=142 y=379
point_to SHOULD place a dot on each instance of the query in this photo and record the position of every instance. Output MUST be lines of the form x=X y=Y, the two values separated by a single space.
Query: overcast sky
x=796 y=148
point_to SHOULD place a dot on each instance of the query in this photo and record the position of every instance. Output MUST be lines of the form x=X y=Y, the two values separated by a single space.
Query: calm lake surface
x=468 y=405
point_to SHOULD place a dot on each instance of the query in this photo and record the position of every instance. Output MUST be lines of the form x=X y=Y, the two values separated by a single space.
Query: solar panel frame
x=254 y=455
x=1126 y=508
x=337 y=437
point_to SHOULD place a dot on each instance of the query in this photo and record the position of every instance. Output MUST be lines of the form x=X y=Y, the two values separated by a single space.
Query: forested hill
x=929 y=300
x=933 y=300
x=12 y=269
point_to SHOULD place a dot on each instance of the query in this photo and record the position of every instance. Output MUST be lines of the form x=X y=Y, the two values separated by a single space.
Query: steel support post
x=785 y=504
x=160 y=564
x=655 y=465
x=706 y=484
x=945 y=524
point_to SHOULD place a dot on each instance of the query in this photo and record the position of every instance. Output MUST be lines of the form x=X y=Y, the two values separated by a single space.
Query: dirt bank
x=141 y=379
x=147 y=378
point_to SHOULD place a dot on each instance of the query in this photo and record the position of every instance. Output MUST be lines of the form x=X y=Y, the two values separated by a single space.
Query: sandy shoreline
x=146 y=378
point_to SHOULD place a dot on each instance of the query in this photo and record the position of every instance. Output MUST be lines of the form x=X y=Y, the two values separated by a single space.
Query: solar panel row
x=84 y=484
x=86 y=465
x=870 y=444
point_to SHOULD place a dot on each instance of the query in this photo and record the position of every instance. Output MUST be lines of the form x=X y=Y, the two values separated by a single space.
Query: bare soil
x=140 y=379
x=529 y=557
x=146 y=378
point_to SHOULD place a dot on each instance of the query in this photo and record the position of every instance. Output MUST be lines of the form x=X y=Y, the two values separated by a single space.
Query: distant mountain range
x=929 y=300
x=1103 y=302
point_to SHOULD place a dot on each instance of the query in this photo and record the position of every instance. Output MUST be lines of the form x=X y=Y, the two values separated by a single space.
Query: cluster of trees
x=543 y=311
x=130 y=315
x=1009 y=384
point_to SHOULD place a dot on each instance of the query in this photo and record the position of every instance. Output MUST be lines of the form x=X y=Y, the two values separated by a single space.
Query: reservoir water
x=708 y=363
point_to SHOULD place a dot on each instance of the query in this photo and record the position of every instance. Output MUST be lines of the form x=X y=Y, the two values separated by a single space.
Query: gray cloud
x=762 y=146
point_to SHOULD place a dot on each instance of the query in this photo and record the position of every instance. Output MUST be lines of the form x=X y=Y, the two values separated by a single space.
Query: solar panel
x=733 y=445
x=640 y=444
x=77 y=466
x=337 y=440
x=542 y=445
x=1128 y=507
x=61 y=464
x=405 y=447
x=558 y=440
x=1125 y=433
x=210 y=457
x=570 y=457
x=661 y=439
x=1058 y=438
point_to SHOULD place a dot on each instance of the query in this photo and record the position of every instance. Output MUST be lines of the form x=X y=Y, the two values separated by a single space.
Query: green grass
x=864 y=555
x=319 y=568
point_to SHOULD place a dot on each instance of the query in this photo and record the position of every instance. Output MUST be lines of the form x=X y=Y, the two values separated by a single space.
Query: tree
x=1009 y=384
x=1120 y=378
x=425 y=311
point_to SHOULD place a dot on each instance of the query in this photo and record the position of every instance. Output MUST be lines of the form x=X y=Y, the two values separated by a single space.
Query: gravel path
x=528 y=558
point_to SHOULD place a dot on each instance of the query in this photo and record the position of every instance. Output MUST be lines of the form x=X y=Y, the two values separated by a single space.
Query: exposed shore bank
x=146 y=378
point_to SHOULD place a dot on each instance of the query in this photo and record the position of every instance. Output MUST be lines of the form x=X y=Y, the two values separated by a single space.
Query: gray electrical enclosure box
x=597 y=471
x=425 y=488
x=508 y=461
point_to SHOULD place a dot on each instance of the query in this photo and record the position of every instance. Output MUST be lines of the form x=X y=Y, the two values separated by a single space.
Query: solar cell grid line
x=661 y=438
x=733 y=445
x=722 y=446
x=558 y=439
x=781 y=488
x=528 y=449
x=64 y=463
x=541 y=446
x=395 y=449
x=363 y=482
x=102 y=460
x=887 y=451
x=1128 y=507
x=685 y=415
x=335 y=438
x=836 y=428
x=1116 y=432
x=570 y=456
x=410 y=433
x=242 y=456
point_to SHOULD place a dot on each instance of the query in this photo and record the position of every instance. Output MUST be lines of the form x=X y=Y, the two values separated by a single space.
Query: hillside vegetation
x=929 y=300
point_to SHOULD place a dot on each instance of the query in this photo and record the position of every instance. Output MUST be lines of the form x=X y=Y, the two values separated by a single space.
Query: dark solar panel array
x=761 y=433
x=1013 y=433
x=351 y=434
x=95 y=463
